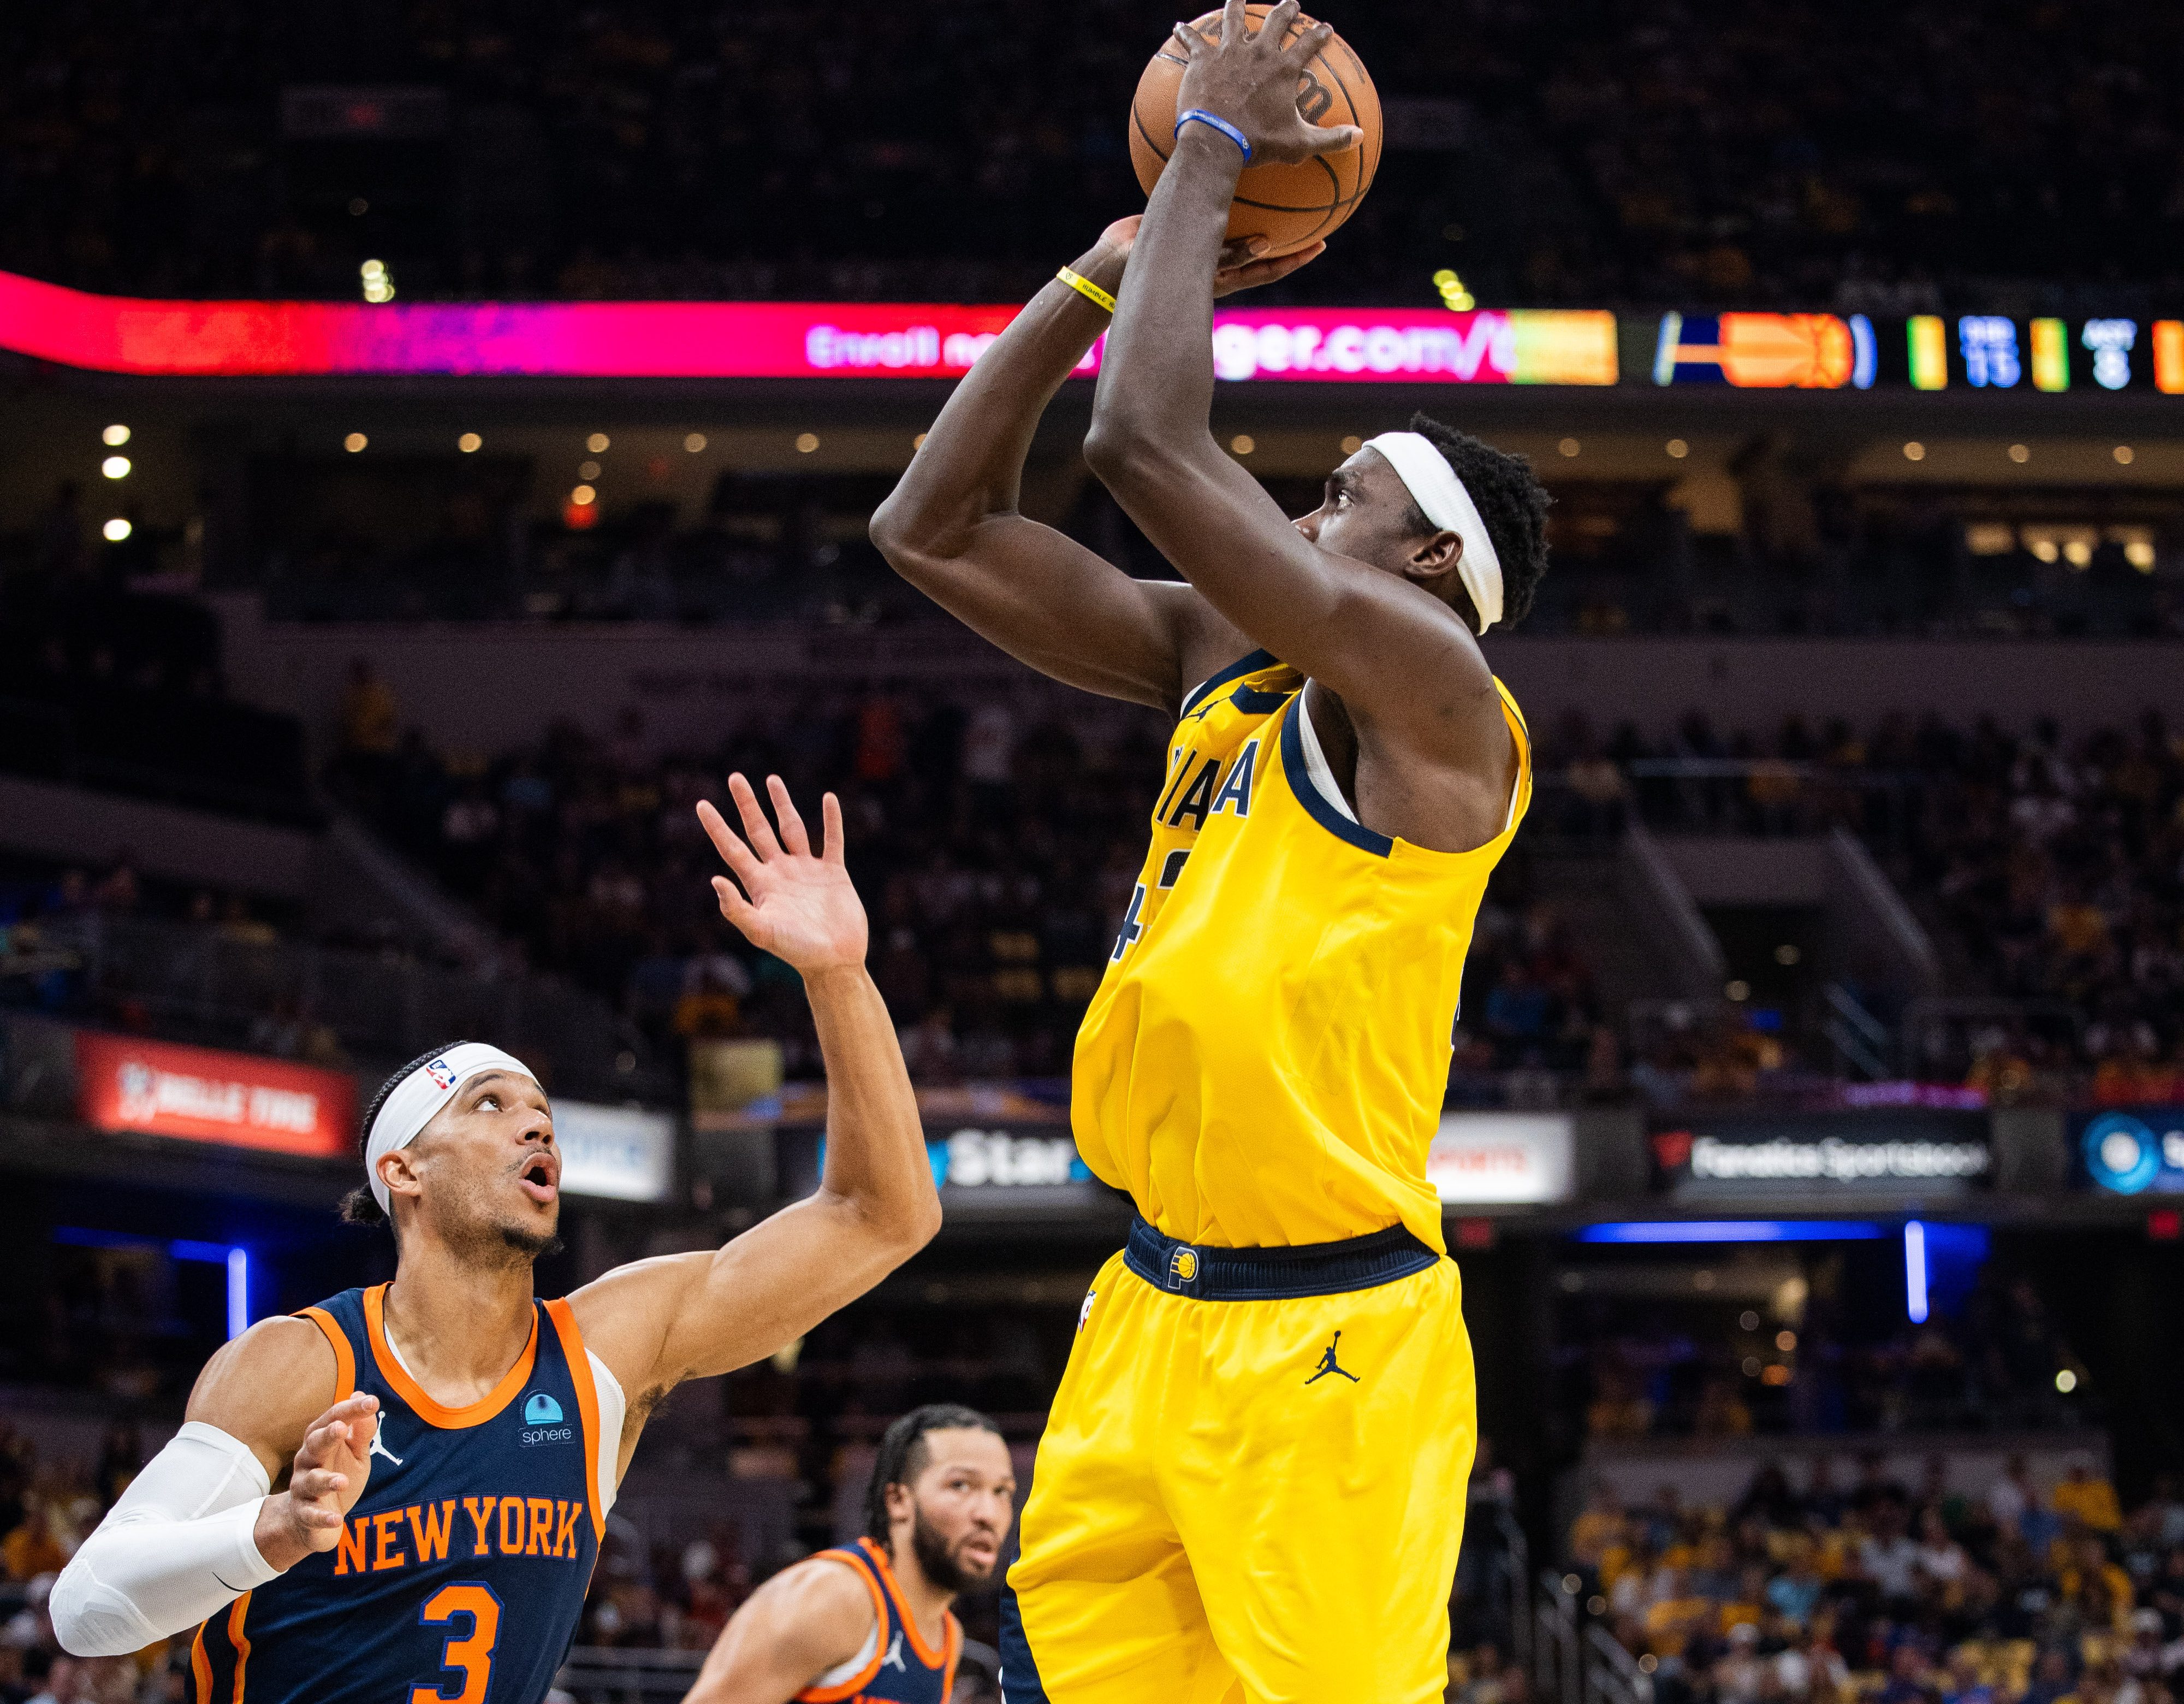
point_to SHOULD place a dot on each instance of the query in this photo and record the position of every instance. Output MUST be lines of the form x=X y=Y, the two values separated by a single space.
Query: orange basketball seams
x=1292 y=205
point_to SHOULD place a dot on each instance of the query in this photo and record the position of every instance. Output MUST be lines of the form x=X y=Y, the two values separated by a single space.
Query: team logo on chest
x=542 y=1420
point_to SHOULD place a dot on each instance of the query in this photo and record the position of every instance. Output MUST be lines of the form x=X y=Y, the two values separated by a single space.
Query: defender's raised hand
x=329 y=1476
x=1251 y=81
x=796 y=904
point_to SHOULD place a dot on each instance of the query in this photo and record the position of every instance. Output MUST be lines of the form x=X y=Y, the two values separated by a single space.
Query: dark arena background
x=437 y=443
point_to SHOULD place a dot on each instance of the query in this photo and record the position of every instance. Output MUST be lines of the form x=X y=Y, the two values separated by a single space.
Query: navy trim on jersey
x=1264 y=1274
x=901 y=1669
x=1299 y=773
x=1235 y=671
x=1020 y=1681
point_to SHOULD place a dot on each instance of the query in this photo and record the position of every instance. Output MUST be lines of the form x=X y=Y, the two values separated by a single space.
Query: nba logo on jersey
x=541 y=1410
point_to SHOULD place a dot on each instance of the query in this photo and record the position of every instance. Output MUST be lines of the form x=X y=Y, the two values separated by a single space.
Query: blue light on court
x=1733 y=1231
x=1915 y=1271
x=231 y=1255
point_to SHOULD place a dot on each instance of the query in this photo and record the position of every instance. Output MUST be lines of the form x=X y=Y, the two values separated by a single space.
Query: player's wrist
x=282 y=1538
x=833 y=979
x=1102 y=264
x=1204 y=152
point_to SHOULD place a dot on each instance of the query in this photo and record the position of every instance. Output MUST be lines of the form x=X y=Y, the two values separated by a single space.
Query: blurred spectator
x=2087 y=1498
x=1846 y=159
x=1842 y=1608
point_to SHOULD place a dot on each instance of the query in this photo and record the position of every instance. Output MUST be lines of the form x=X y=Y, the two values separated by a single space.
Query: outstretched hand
x=1243 y=264
x=1250 y=79
x=329 y=1476
x=794 y=903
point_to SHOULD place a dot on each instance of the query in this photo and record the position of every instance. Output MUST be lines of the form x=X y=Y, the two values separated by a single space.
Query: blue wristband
x=1200 y=116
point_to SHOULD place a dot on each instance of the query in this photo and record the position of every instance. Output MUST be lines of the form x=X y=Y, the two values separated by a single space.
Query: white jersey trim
x=1322 y=776
x=842 y=1673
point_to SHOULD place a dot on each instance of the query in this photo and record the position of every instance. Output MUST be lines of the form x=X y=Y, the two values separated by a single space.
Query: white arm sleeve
x=177 y=1548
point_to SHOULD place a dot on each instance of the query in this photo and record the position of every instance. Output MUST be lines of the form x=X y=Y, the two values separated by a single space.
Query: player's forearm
x=971 y=464
x=1156 y=376
x=875 y=1161
x=180 y=1546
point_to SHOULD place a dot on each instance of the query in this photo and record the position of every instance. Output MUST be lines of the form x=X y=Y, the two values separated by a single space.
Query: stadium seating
x=1879 y=157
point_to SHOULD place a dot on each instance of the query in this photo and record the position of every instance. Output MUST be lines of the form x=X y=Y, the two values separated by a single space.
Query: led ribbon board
x=756 y=339
x=1766 y=351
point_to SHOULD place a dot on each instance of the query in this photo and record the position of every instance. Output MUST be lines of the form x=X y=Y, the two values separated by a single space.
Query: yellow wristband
x=1085 y=287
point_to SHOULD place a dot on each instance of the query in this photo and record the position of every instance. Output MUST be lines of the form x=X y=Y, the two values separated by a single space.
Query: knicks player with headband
x=1251 y=1484
x=398 y=1496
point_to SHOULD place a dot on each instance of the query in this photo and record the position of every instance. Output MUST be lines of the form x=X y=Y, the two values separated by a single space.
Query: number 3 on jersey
x=472 y=1651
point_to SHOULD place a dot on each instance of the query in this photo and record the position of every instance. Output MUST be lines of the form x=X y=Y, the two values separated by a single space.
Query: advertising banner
x=1030 y=1169
x=1914 y=1153
x=2130 y=1151
x=1923 y=352
x=200 y=1094
x=761 y=339
x=617 y=1153
x=1488 y=1159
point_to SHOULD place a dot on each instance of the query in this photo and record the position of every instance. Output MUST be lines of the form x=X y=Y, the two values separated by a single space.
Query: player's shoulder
x=835 y=1580
x=1214 y=653
x=272 y=1381
x=827 y=1605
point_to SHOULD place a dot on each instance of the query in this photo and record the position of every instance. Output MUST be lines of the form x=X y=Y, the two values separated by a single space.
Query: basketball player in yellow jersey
x=1252 y=1486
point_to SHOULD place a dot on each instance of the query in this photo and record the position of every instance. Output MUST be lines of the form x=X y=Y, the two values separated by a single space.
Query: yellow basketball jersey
x=1267 y=1057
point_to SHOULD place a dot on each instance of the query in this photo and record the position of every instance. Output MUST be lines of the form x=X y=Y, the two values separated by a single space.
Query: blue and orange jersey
x=461 y=1576
x=898 y=1666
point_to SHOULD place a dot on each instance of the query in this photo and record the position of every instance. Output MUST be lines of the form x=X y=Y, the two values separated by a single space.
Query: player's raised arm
x=660 y=1321
x=1382 y=640
x=951 y=528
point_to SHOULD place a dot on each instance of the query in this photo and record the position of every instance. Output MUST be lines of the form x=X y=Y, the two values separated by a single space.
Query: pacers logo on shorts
x=1183 y=1266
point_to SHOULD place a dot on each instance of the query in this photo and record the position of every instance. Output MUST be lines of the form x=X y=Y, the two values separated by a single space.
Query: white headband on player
x=1440 y=496
x=414 y=1101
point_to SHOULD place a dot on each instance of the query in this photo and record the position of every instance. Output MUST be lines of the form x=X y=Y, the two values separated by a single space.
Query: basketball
x=1292 y=205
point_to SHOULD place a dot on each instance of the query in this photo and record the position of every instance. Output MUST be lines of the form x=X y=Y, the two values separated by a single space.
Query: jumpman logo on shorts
x=1329 y=1364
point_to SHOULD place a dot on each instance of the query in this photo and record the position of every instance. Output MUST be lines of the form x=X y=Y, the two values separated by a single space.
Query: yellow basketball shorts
x=1242 y=1502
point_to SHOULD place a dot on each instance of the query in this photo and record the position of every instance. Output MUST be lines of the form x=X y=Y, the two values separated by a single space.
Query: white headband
x=412 y=1103
x=1438 y=492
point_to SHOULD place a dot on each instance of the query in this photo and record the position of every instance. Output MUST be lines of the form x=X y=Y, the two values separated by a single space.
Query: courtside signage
x=618 y=1153
x=757 y=339
x=1489 y=1159
x=1005 y=1159
x=1030 y=1170
x=200 y=1094
x=1915 y=1154
x=2131 y=1151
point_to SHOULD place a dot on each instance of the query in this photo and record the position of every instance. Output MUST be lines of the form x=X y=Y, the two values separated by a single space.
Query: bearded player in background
x=872 y=1621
